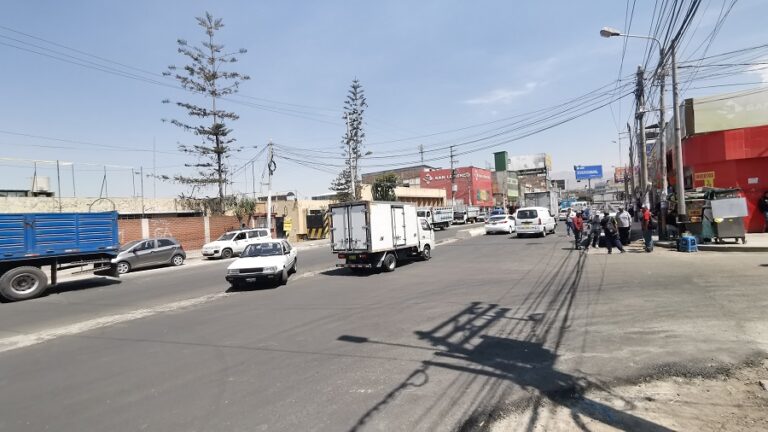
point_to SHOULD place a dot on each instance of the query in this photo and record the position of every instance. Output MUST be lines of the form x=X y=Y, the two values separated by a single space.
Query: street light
x=608 y=32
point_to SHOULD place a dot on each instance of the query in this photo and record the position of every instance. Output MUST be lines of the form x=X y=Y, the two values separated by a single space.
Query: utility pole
x=632 y=168
x=58 y=182
x=663 y=154
x=141 y=172
x=133 y=181
x=271 y=166
x=453 y=180
x=74 y=191
x=679 y=171
x=421 y=153
x=253 y=179
x=639 y=116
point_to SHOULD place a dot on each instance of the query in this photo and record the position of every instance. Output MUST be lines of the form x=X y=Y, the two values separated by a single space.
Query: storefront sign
x=287 y=224
x=707 y=177
x=753 y=180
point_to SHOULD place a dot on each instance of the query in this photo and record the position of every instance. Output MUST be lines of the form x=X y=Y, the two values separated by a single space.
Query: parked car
x=149 y=253
x=272 y=260
x=563 y=215
x=234 y=242
x=500 y=224
x=535 y=220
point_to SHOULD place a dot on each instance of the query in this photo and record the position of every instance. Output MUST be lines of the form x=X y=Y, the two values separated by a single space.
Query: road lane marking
x=23 y=341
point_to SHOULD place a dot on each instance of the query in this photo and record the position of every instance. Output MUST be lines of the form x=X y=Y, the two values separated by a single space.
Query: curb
x=715 y=248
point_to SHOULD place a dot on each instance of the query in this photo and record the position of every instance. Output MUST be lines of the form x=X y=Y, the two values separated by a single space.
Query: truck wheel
x=123 y=267
x=389 y=264
x=226 y=253
x=426 y=254
x=23 y=283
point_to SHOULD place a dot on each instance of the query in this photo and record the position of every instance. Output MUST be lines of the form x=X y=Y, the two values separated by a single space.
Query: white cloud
x=503 y=95
x=760 y=70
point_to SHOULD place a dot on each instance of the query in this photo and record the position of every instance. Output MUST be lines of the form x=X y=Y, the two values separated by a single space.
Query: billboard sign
x=585 y=172
x=532 y=162
x=726 y=111
x=619 y=173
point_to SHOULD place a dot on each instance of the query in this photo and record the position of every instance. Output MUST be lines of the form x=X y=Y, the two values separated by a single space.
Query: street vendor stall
x=715 y=214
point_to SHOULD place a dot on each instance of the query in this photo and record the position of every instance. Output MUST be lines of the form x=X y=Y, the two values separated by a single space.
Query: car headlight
x=233 y=271
x=272 y=269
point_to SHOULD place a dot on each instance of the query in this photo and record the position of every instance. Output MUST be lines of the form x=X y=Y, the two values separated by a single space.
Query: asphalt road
x=488 y=324
x=91 y=297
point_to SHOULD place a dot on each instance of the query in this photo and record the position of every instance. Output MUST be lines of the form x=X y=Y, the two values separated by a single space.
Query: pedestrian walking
x=585 y=213
x=624 y=221
x=647 y=224
x=608 y=224
x=578 y=229
x=569 y=221
x=763 y=206
x=593 y=237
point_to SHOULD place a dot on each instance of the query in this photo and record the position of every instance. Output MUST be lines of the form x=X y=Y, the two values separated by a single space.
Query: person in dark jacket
x=593 y=237
x=763 y=206
x=611 y=233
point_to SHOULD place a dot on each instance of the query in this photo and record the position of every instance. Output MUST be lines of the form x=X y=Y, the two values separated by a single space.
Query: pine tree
x=204 y=76
x=352 y=143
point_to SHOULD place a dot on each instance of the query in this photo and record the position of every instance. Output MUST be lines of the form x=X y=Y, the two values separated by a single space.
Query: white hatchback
x=535 y=220
x=500 y=224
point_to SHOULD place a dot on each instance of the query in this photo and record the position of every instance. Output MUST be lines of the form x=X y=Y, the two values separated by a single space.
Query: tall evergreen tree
x=204 y=75
x=351 y=144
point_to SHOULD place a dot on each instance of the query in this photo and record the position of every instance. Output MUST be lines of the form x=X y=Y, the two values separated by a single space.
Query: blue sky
x=426 y=67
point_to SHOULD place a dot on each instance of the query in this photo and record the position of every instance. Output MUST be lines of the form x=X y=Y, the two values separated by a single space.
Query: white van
x=233 y=242
x=534 y=220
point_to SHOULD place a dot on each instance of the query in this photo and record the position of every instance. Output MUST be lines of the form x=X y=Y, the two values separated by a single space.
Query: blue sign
x=585 y=172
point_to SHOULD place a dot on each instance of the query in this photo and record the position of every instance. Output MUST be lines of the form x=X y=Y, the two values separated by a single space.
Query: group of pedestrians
x=616 y=229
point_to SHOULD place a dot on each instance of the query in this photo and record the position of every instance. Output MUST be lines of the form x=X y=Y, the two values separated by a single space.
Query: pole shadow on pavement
x=512 y=349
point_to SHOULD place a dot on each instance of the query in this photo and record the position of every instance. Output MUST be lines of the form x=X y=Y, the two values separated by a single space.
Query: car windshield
x=497 y=218
x=527 y=214
x=226 y=236
x=263 y=249
x=129 y=245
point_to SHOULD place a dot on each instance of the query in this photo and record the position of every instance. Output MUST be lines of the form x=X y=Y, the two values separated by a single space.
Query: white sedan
x=265 y=261
x=500 y=224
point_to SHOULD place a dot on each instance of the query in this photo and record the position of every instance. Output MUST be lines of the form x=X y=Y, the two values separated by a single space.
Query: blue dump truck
x=30 y=242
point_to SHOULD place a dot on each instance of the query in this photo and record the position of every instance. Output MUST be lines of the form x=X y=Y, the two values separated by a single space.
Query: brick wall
x=221 y=224
x=189 y=231
x=129 y=230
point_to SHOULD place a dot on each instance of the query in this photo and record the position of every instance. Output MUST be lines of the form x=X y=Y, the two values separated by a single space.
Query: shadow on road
x=500 y=350
x=82 y=284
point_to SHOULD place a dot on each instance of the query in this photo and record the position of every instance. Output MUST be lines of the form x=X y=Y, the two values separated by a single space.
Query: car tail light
x=342 y=256
x=539 y=221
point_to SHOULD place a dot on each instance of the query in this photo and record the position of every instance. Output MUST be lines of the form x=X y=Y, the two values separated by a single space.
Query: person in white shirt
x=624 y=220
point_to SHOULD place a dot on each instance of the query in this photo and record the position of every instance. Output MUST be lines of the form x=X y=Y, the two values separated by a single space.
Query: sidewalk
x=755 y=242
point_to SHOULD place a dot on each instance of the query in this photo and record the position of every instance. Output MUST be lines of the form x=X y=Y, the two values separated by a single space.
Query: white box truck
x=465 y=214
x=439 y=217
x=375 y=235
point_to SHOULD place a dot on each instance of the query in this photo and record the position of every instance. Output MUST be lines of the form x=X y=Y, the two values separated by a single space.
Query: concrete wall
x=192 y=232
x=123 y=205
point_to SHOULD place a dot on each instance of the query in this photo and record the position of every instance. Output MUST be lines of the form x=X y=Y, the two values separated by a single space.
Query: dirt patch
x=735 y=401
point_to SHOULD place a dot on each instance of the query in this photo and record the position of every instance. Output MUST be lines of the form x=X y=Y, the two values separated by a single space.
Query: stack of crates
x=687 y=244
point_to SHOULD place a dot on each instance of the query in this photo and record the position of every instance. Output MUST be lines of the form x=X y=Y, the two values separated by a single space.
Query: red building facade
x=474 y=186
x=732 y=158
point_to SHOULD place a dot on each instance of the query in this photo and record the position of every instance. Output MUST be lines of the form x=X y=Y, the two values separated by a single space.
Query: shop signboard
x=737 y=110
x=585 y=172
x=707 y=177
x=471 y=185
